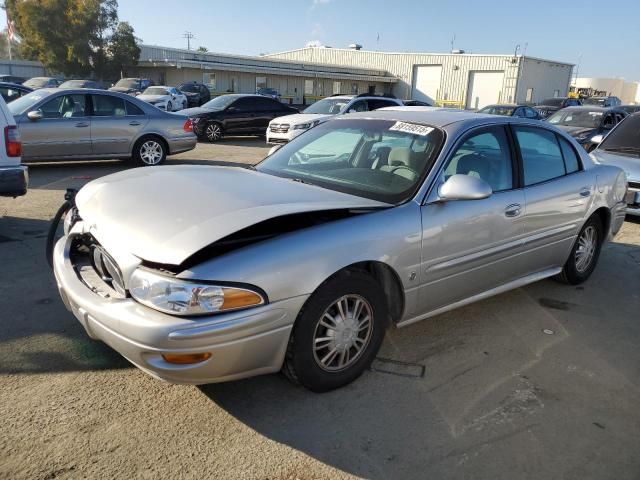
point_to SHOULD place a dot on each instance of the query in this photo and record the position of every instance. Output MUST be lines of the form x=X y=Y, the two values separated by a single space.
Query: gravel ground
x=481 y=392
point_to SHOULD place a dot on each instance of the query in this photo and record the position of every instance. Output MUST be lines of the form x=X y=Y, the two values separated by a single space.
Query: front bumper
x=242 y=344
x=14 y=181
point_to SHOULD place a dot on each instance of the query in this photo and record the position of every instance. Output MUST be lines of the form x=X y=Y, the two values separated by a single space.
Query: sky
x=582 y=32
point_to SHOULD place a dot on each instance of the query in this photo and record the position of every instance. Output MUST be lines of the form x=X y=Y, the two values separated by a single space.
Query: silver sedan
x=75 y=124
x=300 y=264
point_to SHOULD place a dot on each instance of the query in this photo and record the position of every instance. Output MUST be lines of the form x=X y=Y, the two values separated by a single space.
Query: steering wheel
x=405 y=168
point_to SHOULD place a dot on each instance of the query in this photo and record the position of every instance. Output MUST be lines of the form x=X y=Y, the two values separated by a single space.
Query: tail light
x=12 y=141
x=188 y=125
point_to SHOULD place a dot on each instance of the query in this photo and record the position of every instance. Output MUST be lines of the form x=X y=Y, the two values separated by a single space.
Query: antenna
x=453 y=39
x=189 y=36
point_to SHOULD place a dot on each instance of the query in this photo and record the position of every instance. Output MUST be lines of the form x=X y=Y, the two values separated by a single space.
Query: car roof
x=435 y=117
x=12 y=84
x=593 y=108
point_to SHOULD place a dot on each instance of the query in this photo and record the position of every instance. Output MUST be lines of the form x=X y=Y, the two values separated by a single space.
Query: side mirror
x=597 y=139
x=464 y=187
x=231 y=109
x=35 y=115
x=351 y=110
x=273 y=150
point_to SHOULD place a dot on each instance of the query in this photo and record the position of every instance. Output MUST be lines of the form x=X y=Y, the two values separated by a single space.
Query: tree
x=74 y=37
x=202 y=49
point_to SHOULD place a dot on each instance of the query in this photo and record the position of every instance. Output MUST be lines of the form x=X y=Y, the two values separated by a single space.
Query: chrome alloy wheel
x=587 y=244
x=343 y=333
x=151 y=152
x=213 y=132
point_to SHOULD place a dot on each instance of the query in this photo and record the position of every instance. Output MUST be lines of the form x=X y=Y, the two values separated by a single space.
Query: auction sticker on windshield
x=411 y=128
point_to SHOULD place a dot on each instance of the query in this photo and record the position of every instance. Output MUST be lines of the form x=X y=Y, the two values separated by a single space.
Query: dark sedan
x=507 y=110
x=552 y=105
x=235 y=114
x=197 y=93
x=11 y=91
x=583 y=123
x=132 y=86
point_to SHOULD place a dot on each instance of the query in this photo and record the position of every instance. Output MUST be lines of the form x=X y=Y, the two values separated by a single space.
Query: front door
x=240 y=116
x=468 y=246
x=63 y=131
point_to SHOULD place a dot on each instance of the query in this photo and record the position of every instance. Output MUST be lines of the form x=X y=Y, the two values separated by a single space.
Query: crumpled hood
x=628 y=163
x=298 y=118
x=153 y=98
x=577 y=131
x=166 y=214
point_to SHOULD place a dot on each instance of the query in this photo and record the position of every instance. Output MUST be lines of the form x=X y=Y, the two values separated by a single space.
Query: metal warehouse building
x=297 y=81
x=465 y=80
x=307 y=74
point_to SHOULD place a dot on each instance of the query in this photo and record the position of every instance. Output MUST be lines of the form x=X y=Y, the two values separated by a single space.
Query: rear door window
x=133 y=109
x=542 y=158
x=571 y=162
x=108 y=106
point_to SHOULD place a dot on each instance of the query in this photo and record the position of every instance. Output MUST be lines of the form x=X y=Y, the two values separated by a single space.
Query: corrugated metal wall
x=455 y=72
x=21 y=68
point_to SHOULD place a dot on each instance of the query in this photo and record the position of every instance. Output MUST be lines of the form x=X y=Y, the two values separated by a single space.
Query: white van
x=14 y=177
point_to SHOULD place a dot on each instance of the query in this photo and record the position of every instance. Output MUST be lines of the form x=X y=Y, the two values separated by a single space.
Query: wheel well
x=152 y=135
x=605 y=219
x=388 y=280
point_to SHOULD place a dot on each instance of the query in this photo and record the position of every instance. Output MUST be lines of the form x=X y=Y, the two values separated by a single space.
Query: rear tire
x=149 y=151
x=169 y=107
x=584 y=254
x=337 y=333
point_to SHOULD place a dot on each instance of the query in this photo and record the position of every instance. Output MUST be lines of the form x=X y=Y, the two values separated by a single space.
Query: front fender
x=296 y=263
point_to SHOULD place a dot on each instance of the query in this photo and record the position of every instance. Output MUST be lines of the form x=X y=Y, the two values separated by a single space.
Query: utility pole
x=9 y=32
x=189 y=36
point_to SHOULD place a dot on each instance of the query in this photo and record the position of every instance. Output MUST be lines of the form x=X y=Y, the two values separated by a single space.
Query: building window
x=308 y=87
x=354 y=89
x=336 y=88
x=261 y=82
x=556 y=93
x=210 y=80
x=529 y=97
x=233 y=84
x=320 y=88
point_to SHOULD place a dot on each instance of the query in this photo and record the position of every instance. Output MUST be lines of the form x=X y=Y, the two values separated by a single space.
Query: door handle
x=585 y=191
x=134 y=123
x=82 y=124
x=513 y=210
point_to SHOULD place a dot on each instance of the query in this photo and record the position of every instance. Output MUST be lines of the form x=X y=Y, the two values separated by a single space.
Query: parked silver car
x=84 y=124
x=301 y=263
x=621 y=147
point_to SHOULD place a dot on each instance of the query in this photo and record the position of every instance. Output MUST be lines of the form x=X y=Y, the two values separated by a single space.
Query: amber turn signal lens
x=185 y=359
x=234 y=298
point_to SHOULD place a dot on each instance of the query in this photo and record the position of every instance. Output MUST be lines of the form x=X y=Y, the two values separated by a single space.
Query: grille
x=96 y=268
x=635 y=185
x=279 y=127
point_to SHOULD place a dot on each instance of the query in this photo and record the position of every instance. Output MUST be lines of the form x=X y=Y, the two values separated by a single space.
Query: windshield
x=553 y=102
x=221 y=102
x=576 y=118
x=594 y=101
x=156 y=91
x=625 y=138
x=127 y=83
x=189 y=87
x=74 y=84
x=498 y=110
x=23 y=104
x=382 y=160
x=328 y=106
x=37 y=82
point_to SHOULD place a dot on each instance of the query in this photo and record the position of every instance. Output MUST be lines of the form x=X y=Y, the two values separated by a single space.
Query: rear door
x=557 y=192
x=63 y=131
x=469 y=246
x=266 y=110
x=115 y=124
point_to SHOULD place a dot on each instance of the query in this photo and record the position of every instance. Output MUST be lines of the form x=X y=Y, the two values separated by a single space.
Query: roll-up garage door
x=426 y=83
x=484 y=88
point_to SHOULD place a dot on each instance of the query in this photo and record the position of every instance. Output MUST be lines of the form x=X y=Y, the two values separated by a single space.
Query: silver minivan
x=86 y=124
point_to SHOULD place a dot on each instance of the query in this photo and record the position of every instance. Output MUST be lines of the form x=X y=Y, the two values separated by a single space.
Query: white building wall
x=456 y=70
x=541 y=79
x=628 y=92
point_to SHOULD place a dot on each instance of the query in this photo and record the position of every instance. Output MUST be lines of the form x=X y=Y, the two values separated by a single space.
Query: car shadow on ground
x=239 y=141
x=37 y=333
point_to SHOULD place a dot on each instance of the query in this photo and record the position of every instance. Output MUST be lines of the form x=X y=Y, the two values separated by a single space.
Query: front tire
x=149 y=151
x=584 y=254
x=338 y=332
x=169 y=107
x=213 y=132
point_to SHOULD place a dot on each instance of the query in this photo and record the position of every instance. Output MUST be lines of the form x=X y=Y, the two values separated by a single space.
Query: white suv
x=14 y=177
x=285 y=129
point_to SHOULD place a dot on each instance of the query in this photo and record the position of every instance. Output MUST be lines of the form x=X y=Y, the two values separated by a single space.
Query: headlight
x=305 y=126
x=620 y=187
x=180 y=297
